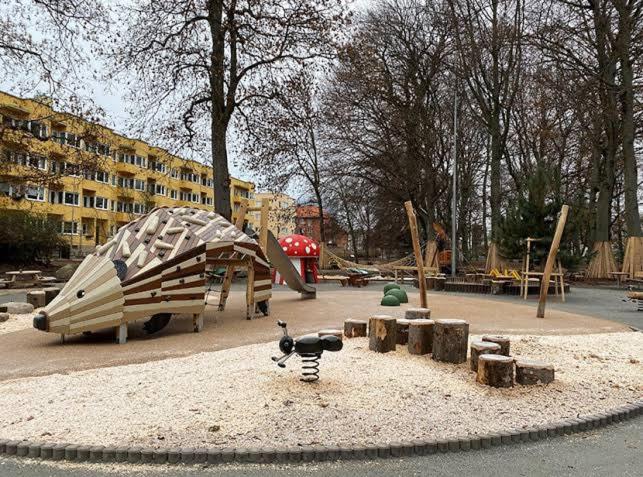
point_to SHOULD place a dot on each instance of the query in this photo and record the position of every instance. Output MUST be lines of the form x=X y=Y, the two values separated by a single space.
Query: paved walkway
x=612 y=451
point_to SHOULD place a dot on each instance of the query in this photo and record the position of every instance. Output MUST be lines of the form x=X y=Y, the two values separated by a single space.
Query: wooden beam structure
x=263 y=224
x=417 y=251
x=551 y=260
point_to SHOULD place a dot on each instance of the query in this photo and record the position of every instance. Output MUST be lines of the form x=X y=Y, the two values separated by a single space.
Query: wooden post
x=250 y=292
x=420 y=336
x=354 y=328
x=241 y=217
x=551 y=259
x=263 y=225
x=417 y=251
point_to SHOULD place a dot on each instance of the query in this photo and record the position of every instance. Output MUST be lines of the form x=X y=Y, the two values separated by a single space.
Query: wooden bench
x=334 y=278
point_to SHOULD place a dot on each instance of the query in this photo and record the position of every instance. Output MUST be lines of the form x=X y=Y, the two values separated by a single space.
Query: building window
x=101 y=203
x=159 y=189
x=65 y=138
x=102 y=177
x=98 y=148
x=85 y=227
x=139 y=184
x=69 y=228
x=174 y=173
x=132 y=159
x=139 y=209
x=36 y=128
x=88 y=201
x=35 y=193
x=70 y=198
x=173 y=194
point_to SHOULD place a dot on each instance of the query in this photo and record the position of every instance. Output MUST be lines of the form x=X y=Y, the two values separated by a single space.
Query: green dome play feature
x=391 y=286
x=390 y=300
x=399 y=294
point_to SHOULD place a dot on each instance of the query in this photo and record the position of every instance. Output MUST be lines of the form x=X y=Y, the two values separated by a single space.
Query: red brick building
x=307 y=223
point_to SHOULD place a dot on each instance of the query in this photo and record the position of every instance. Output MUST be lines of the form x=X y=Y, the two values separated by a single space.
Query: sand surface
x=17 y=322
x=239 y=398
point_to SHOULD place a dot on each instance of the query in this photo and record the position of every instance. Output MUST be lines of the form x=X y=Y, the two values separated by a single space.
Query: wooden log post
x=479 y=348
x=382 y=333
x=332 y=332
x=421 y=336
x=495 y=370
x=402 y=331
x=355 y=328
x=417 y=251
x=417 y=314
x=503 y=341
x=450 y=340
x=529 y=371
x=551 y=260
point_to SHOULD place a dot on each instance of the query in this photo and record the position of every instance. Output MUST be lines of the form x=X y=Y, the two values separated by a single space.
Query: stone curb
x=189 y=456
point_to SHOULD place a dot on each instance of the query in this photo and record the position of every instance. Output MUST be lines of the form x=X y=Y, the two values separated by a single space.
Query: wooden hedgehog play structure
x=153 y=268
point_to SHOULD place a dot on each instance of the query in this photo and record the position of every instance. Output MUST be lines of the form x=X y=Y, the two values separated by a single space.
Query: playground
x=151 y=325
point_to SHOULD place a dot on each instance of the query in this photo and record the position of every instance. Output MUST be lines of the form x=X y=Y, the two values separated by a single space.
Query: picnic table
x=620 y=276
x=558 y=277
x=25 y=278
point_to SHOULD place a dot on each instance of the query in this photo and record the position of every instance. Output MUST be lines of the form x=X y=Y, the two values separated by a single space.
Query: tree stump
x=50 y=294
x=496 y=370
x=450 y=339
x=354 y=328
x=529 y=371
x=36 y=298
x=417 y=314
x=421 y=336
x=382 y=333
x=503 y=341
x=479 y=348
x=331 y=332
x=440 y=282
x=402 y=331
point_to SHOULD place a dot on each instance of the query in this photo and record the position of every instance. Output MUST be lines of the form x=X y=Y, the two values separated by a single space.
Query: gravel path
x=239 y=398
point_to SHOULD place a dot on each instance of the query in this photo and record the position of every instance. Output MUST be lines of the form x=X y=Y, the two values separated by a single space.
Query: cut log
x=450 y=339
x=382 y=333
x=479 y=348
x=355 y=328
x=420 y=336
x=503 y=341
x=496 y=370
x=440 y=282
x=402 y=331
x=36 y=298
x=50 y=294
x=332 y=332
x=529 y=371
x=417 y=314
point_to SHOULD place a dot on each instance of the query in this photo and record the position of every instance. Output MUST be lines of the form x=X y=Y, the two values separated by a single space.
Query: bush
x=390 y=300
x=28 y=237
x=390 y=286
x=399 y=294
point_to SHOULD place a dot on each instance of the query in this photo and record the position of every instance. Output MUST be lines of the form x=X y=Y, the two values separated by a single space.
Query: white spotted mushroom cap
x=299 y=246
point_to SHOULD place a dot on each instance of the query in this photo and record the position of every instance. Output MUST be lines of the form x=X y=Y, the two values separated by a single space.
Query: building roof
x=309 y=211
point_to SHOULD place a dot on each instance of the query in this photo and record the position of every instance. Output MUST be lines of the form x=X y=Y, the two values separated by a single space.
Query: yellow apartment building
x=90 y=178
x=281 y=220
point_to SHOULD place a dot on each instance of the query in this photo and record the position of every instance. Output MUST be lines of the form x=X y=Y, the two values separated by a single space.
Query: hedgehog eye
x=80 y=294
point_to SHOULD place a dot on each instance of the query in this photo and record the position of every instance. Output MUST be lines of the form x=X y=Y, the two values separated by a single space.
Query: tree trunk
x=502 y=341
x=533 y=372
x=420 y=336
x=479 y=348
x=220 y=112
x=630 y=172
x=354 y=328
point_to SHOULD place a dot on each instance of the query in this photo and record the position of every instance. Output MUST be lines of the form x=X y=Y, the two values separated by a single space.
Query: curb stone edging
x=210 y=456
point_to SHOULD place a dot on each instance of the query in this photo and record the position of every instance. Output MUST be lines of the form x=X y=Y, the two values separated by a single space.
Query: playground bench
x=339 y=278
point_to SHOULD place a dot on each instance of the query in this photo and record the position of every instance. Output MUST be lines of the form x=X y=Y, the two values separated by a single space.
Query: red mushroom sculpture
x=303 y=253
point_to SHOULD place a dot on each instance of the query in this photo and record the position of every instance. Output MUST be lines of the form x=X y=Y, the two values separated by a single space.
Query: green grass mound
x=390 y=300
x=391 y=286
x=399 y=294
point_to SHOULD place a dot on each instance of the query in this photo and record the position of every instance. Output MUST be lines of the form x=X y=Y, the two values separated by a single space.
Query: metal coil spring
x=310 y=367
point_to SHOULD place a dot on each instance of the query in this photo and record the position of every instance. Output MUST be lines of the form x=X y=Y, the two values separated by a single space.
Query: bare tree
x=282 y=139
x=192 y=64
